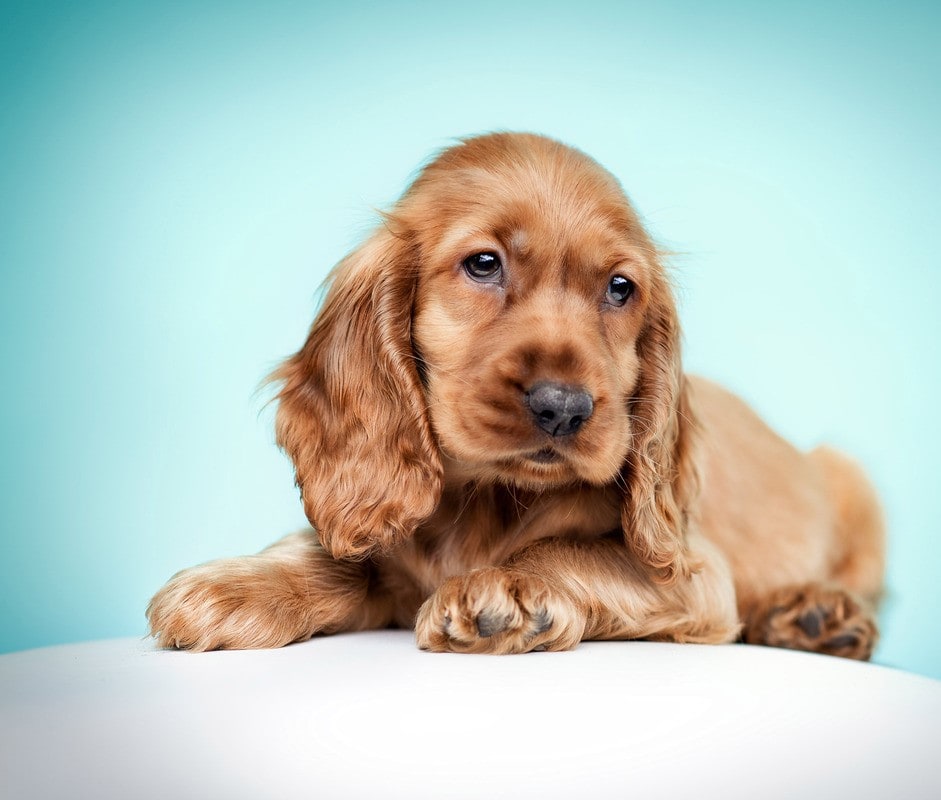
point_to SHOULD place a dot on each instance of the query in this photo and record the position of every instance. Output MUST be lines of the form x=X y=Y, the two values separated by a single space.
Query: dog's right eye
x=485 y=266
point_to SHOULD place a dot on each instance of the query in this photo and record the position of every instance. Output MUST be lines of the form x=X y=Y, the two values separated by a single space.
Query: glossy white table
x=369 y=716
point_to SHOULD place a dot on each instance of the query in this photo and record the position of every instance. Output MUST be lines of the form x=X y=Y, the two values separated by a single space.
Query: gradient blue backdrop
x=177 y=178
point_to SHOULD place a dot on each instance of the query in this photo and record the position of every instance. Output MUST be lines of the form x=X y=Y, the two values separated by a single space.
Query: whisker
x=621 y=482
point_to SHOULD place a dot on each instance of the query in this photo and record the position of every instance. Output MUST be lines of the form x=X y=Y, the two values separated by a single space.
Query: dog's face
x=510 y=322
x=533 y=284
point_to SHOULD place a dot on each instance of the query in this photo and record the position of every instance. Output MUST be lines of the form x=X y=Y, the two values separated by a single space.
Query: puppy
x=495 y=444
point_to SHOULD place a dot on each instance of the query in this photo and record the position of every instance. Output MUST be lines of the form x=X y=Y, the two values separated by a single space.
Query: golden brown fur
x=440 y=502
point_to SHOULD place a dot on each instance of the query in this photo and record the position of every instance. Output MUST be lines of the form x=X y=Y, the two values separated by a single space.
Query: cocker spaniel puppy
x=495 y=444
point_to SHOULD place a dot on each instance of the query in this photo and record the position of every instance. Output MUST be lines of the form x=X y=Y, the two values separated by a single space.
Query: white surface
x=368 y=715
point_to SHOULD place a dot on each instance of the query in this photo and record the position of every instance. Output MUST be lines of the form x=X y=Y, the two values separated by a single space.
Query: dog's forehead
x=542 y=202
x=526 y=174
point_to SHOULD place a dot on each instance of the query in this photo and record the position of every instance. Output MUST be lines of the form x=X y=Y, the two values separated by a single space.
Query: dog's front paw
x=497 y=611
x=237 y=603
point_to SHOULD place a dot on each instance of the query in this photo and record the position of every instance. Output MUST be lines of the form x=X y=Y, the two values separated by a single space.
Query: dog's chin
x=542 y=472
x=538 y=469
x=547 y=455
x=546 y=468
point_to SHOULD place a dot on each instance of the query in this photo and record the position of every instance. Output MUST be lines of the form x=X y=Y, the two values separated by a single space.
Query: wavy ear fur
x=352 y=412
x=661 y=475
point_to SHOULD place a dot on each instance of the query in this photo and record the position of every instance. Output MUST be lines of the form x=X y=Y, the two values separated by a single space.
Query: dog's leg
x=557 y=592
x=837 y=616
x=813 y=617
x=284 y=594
x=859 y=544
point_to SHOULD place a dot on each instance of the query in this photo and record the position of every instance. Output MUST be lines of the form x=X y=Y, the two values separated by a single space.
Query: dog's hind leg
x=815 y=618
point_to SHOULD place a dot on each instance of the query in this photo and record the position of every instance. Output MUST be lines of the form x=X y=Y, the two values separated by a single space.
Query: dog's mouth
x=545 y=456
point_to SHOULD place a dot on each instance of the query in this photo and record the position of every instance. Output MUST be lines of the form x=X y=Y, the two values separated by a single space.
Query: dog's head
x=510 y=322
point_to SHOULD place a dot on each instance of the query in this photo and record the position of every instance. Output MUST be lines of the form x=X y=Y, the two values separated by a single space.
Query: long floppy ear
x=352 y=413
x=661 y=476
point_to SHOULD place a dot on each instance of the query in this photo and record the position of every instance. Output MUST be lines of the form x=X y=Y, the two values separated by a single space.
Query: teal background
x=177 y=178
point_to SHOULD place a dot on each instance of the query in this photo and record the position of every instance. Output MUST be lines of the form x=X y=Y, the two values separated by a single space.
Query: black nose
x=559 y=410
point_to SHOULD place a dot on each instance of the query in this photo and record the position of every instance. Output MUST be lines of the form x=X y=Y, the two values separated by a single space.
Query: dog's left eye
x=484 y=266
x=619 y=291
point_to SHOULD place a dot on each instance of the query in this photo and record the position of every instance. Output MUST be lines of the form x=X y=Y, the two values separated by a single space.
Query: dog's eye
x=483 y=266
x=619 y=290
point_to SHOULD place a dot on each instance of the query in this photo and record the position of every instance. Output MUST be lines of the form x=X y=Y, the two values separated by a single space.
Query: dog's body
x=496 y=444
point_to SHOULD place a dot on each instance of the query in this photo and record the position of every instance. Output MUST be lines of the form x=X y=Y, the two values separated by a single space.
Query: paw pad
x=816 y=619
x=494 y=611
